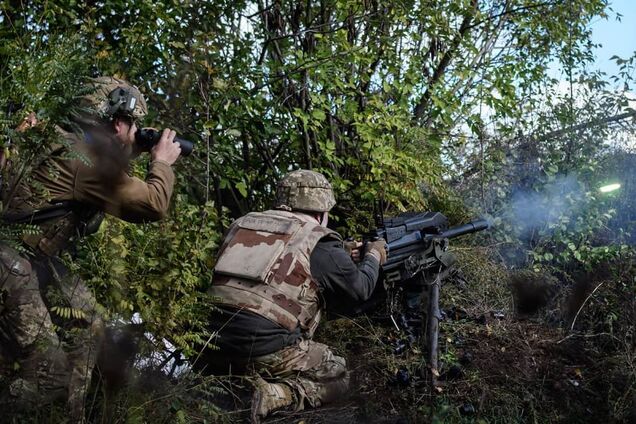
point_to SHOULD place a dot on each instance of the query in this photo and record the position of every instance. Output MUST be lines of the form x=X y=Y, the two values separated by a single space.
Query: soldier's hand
x=139 y=148
x=352 y=248
x=378 y=250
x=28 y=122
x=166 y=149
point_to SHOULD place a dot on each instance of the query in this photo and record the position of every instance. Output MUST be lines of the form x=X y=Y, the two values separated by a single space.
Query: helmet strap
x=324 y=219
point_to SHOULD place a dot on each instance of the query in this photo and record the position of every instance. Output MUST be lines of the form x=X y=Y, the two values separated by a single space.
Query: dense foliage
x=449 y=104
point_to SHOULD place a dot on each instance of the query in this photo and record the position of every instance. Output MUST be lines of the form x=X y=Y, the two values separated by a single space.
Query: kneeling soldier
x=276 y=273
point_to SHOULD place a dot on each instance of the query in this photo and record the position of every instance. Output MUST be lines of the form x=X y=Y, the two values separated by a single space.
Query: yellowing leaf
x=177 y=44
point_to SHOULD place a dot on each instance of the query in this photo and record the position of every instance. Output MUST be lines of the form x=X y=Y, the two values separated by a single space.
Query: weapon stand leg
x=433 y=331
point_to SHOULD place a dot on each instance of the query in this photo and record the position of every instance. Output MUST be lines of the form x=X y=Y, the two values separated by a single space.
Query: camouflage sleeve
x=343 y=283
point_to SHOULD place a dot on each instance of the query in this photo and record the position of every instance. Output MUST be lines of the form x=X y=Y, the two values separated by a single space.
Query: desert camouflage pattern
x=51 y=358
x=315 y=374
x=304 y=190
x=263 y=267
x=98 y=100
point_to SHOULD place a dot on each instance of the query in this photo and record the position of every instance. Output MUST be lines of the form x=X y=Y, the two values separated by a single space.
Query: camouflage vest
x=264 y=268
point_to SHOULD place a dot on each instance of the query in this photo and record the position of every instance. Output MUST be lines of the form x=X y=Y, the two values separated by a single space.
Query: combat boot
x=268 y=397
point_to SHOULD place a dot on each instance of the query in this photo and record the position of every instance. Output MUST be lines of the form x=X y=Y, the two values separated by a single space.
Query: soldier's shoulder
x=67 y=140
x=328 y=234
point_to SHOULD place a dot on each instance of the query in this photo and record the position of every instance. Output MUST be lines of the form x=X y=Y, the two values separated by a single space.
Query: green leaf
x=318 y=115
x=233 y=132
x=242 y=188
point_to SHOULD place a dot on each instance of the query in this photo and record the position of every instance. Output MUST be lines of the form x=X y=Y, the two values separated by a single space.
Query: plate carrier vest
x=264 y=268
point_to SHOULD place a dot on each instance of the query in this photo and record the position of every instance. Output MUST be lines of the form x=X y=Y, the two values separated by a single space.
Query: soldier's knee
x=339 y=364
x=332 y=366
x=42 y=379
x=333 y=390
x=48 y=366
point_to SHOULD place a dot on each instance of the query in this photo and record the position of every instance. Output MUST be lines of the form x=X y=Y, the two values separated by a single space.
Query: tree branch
x=445 y=61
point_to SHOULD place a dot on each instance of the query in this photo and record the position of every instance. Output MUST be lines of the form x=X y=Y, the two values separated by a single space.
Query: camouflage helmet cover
x=112 y=96
x=306 y=191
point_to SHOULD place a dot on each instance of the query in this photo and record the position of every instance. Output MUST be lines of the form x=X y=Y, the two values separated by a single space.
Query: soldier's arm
x=343 y=283
x=125 y=197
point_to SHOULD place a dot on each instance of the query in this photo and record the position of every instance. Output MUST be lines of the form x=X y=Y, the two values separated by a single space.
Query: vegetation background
x=442 y=105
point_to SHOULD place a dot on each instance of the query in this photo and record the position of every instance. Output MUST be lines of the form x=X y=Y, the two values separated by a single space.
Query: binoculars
x=146 y=138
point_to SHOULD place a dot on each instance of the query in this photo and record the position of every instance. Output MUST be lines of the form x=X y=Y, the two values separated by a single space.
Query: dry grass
x=500 y=361
x=503 y=362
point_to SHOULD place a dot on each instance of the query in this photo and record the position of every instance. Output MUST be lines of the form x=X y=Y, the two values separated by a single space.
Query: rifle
x=417 y=261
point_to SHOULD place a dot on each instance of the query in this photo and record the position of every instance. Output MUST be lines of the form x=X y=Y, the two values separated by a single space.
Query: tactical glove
x=352 y=248
x=349 y=245
x=378 y=246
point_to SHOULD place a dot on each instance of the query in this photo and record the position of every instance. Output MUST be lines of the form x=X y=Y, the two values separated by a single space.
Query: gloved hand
x=352 y=248
x=378 y=246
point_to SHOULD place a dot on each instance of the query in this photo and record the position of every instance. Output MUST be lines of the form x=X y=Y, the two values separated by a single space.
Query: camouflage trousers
x=315 y=375
x=48 y=333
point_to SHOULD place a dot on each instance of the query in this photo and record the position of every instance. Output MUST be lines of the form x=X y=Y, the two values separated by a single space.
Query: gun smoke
x=559 y=202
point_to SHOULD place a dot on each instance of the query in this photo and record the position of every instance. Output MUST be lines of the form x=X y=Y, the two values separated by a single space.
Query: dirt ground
x=502 y=370
x=502 y=361
x=514 y=347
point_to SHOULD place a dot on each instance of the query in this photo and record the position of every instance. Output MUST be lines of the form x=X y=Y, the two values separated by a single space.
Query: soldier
x=276 y=273
x=54 y=352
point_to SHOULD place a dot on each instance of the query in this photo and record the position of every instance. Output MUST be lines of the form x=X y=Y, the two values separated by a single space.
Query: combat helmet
x=110 y=97
x=304 y=190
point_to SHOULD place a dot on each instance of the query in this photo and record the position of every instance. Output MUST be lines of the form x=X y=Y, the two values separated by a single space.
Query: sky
x=617 y=37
